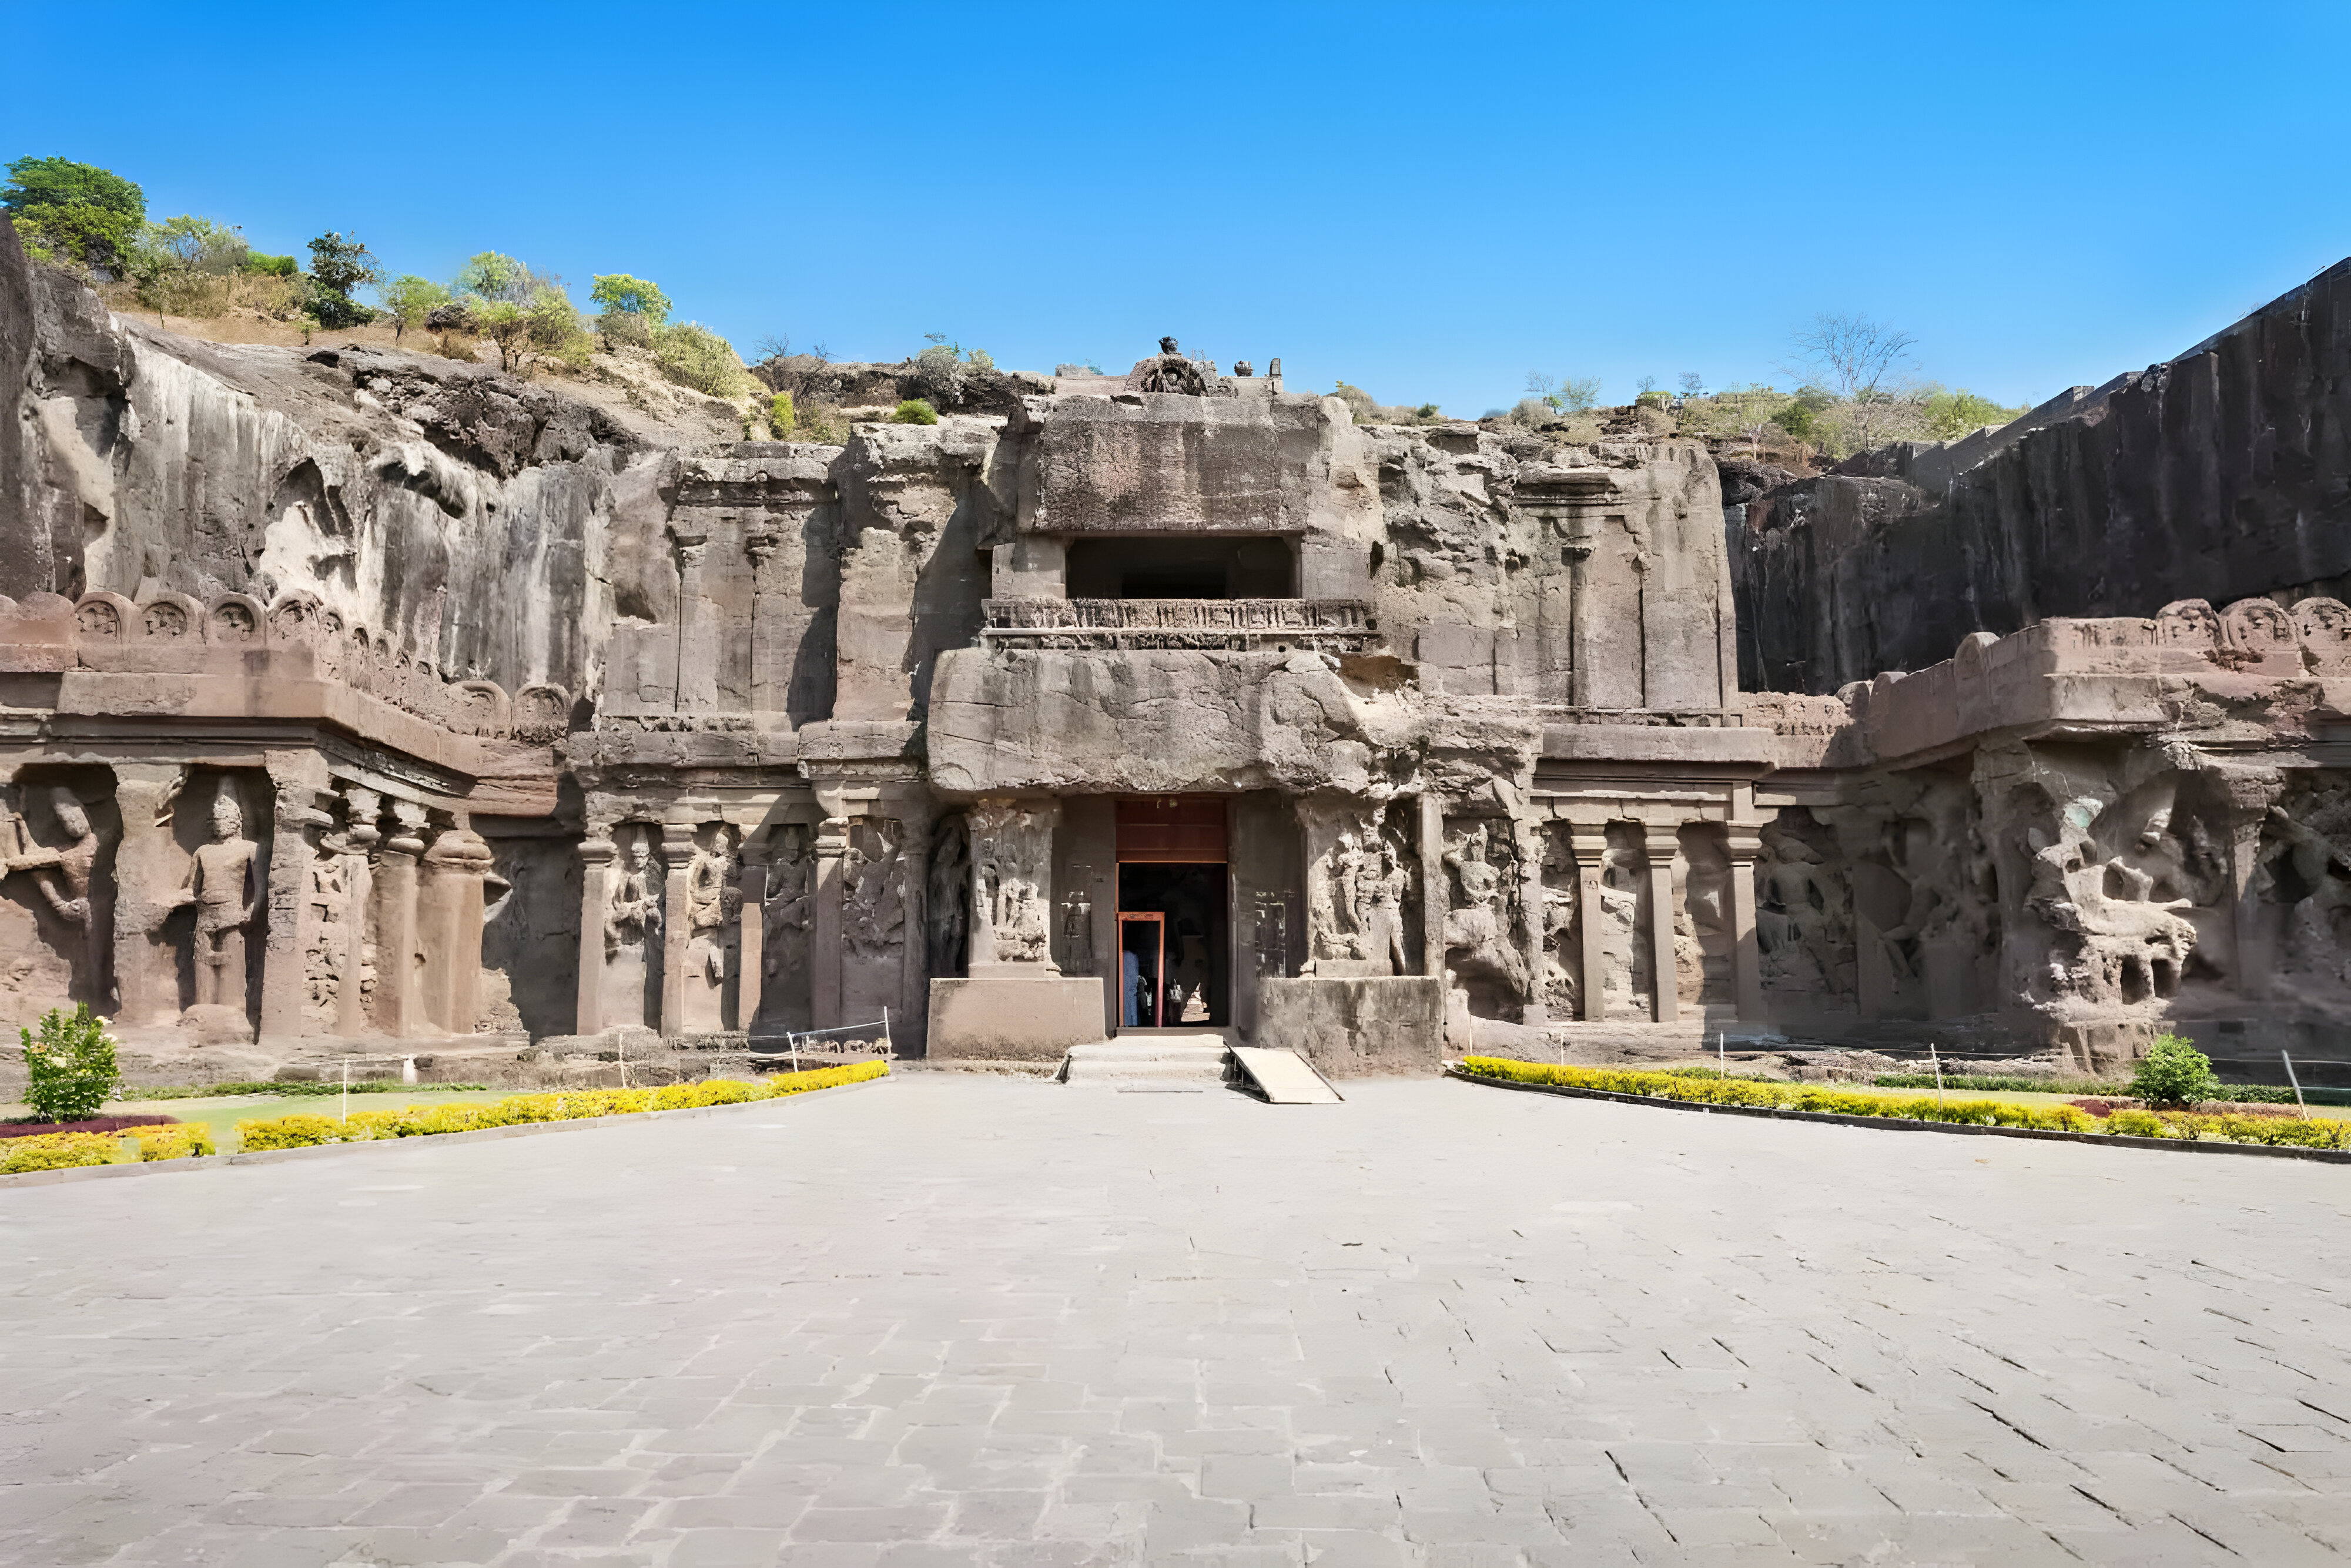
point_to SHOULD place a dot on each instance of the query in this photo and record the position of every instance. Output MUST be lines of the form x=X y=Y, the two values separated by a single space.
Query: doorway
x=1174 y=939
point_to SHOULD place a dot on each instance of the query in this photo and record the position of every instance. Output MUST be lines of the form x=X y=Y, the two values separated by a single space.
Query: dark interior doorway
x=1175 y=947
x=1207 y=566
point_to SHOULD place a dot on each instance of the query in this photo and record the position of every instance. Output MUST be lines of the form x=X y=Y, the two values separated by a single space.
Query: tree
x=1693 y=384
x=338 y=264
x=188 y=243
x=506 y=324
x=408 y=299
x=491 y=276
x=1951 y=415
x=1854 y=355
x=1565 y=394
x=76 y=211
x=2174 y=1073
x=619 y=293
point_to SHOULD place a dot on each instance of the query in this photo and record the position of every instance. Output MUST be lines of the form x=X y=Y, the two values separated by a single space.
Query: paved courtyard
x=943 y=1320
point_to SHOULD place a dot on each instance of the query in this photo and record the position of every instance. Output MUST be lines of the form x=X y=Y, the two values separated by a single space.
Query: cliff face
x=2222 y=474
x=463 y=516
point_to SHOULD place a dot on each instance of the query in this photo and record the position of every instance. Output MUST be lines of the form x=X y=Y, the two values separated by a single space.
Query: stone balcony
x=1267 y=625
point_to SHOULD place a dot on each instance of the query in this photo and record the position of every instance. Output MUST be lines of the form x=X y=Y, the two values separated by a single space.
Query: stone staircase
x=1149 y=1060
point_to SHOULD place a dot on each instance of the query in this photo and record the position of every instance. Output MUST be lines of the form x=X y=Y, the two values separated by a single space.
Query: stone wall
x=2225 y=472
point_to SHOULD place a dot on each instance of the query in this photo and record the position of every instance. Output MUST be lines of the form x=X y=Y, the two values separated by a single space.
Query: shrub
x=781 y=416
x=694 y=356
x=178 y=1141
x=916 y=410
x=260 y=265
x=2174 y=1073
x=288 y=1132
x=69 y=1069
x=565 y=1105
x=60 y=1151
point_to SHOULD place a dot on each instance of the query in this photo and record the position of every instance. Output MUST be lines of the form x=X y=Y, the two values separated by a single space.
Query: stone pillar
x=751 y=933
x=1436 y=891
x=595 y=898
x=397 y=1011
x=1528 y=836
x=910 y=1018
x=1588 y=841
x=677 y=861
x=697 y=641
x=1746 y=954
x=1663 y=844
x=148 y=866
x=360 y=808
x=300 y=779
x=2250 y=798
x=451 y=925
x=824 y=941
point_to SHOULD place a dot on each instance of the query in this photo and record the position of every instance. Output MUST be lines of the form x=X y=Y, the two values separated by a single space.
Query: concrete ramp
x=1284 y=1077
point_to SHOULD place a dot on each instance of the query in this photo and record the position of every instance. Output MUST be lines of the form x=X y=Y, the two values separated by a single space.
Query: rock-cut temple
x=361 y=702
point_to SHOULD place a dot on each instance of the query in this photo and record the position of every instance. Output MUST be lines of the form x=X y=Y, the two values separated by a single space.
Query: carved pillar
x=396 y=1010
x=677 y=928
x=697 y=640
x=1746 y=956
x=1588 y=841
x=450 y=923
x=751 y=933
x=596 y=855
x=148 y=865
x=1663 y=844
x=825 y=944
x=2250 y=798
x=360 y=808
x=910 y=1019
x=1435 y=885
x=300 y=779
x=1528 y=836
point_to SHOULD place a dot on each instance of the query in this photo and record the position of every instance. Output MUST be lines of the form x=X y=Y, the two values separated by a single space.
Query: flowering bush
x=2316 y=1133
x=69 y=1068
x=565 y=1105
x=176 y=1140
x=59 y=1151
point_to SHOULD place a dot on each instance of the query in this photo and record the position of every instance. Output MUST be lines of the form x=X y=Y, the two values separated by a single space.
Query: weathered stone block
x=1356 y=1028
x=1013 y=1018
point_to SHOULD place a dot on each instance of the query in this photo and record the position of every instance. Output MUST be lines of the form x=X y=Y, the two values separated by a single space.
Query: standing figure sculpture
x=220 y=883
x=66 y=884
x=634 y=915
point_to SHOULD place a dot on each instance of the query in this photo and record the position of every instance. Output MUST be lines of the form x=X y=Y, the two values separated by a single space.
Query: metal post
x=1934 y=1057
x=2292 y=1078
x=889 y=1047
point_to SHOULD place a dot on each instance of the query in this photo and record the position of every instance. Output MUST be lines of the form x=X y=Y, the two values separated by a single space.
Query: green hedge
x=568 y=1105
x=2316 y=1133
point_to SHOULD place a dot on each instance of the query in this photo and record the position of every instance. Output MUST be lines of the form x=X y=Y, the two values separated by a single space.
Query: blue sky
x=1427 y=201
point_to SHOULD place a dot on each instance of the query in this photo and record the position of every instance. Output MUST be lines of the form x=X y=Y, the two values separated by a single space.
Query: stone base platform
x=997 y=1018
x=1375 y=1025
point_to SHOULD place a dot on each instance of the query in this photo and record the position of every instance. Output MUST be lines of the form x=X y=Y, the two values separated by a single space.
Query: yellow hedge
x=2287 y=1131
x=173 y=1141
x=565 y=1105
x=59 y=1151
x=1833 y=1098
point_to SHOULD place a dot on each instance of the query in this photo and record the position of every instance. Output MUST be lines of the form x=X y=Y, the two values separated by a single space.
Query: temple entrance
x=1175 y=913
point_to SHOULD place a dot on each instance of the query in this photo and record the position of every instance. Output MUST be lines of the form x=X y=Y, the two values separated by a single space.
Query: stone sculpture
x=713 y=900
x=1480 y=944
x=221 y=884
x=64 y=874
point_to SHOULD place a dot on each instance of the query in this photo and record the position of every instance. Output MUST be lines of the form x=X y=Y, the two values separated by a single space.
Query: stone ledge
x=1906 y=1124
x=475 y=1136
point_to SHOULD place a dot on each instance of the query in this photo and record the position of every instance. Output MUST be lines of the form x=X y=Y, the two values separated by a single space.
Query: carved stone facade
x=1176 y=698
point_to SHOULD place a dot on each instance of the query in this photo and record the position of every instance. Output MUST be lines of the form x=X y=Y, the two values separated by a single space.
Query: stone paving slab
x=961 y=1319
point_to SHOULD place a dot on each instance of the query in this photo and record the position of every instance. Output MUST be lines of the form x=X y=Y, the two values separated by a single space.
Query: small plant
x=2174 y=1073
x=694 y=356
x=781 y=416
x=916 y=410
x=69 y=1069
